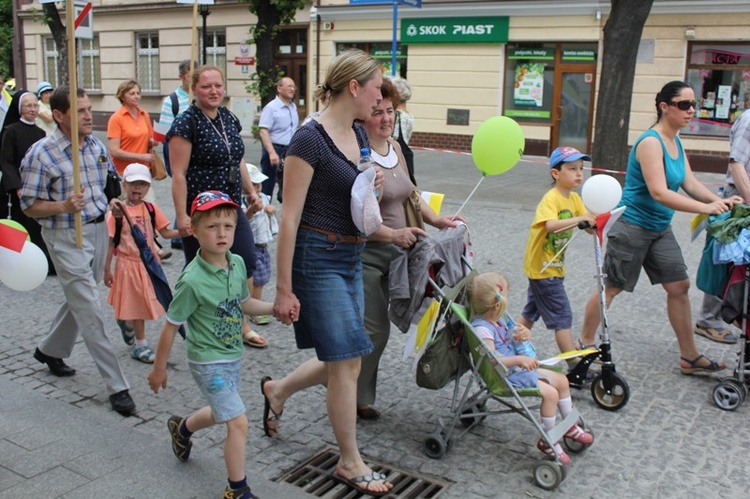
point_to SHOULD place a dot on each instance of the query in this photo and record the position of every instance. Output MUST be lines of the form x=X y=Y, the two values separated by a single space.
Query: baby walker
x=609 y=389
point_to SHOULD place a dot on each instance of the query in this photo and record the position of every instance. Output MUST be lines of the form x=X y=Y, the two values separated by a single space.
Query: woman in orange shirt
x=129 y=130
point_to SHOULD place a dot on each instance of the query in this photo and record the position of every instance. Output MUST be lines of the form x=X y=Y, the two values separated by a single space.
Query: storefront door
x=573 y=112
x=291 y=57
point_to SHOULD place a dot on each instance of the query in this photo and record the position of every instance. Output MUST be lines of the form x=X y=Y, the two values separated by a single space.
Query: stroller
x=732 y=391
x=487 y=384
x=724 y=271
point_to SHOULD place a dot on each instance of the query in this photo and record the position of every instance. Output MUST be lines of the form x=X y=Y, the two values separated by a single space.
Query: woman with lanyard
x=642 y=237
x=376 y=259
x=18 y=134
x=206 y=153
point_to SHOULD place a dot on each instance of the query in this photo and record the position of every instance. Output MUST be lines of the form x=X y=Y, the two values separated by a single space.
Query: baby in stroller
x=488 y=298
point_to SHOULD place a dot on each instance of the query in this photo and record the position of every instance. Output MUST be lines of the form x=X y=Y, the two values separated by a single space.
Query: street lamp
x=204 y=11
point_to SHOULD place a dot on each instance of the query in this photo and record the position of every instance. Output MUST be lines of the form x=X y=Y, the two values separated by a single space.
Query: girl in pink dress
x=131 y=293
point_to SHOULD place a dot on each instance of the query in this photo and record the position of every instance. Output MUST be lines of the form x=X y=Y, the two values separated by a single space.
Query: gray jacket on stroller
x=410 y=269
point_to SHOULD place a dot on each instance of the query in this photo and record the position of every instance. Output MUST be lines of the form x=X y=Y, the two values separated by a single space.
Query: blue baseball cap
x=566 y=155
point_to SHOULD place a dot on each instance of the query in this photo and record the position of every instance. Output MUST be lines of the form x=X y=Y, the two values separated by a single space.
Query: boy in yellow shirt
x=559 y=209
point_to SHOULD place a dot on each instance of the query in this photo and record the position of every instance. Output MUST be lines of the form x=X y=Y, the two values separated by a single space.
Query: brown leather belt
x=335 y=237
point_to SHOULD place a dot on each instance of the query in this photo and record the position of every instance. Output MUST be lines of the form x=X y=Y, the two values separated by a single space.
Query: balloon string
x=467 y=199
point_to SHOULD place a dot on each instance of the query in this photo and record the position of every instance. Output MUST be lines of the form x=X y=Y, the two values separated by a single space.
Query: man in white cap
x=44 y=119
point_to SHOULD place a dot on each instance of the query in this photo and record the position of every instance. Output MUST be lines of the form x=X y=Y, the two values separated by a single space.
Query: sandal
x=717 y=335
x=268 y=410
x=362 y=483
x=260 y=320
x=253 y=339
x=128 y=334
x=144 y=354
x=581 y=346
x=694 y=368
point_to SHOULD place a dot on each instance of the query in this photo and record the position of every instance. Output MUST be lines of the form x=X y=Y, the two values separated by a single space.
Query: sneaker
x=144 y=354
x=122 y=403
x=128 y=335
x=261 y=320
x=542 y=446
x=180 y=445
x=580 y=435
x=243 y=493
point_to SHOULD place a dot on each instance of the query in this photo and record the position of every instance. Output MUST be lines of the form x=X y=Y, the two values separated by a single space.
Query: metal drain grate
x=314 y=477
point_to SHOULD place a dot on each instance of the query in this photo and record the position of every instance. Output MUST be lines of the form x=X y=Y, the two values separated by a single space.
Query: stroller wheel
x=729 y=394
x=613 y=398
x=435 y=447
x=548 y=474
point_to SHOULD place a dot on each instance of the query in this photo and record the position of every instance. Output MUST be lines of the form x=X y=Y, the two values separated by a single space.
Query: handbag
x=413 y=210
x=443 y=358
x=158 y=170
x=113 y=187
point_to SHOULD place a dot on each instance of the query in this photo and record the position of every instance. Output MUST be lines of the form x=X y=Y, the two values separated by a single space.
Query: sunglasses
x=683 y=105
x=208 y=196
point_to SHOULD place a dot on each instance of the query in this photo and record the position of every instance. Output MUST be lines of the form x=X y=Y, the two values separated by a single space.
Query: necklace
x=388 y=162
x=223 y=134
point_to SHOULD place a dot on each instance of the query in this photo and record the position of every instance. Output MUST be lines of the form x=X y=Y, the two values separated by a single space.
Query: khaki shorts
x=630 y=247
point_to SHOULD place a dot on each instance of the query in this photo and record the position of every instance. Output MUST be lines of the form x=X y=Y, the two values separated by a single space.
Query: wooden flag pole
x=73 y=85
x=193 y=43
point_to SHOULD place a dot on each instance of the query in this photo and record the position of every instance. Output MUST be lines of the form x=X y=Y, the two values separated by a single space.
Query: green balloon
x=497 y=145
x=15 y=225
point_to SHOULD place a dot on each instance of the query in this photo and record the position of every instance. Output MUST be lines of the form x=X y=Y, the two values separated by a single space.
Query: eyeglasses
x=209 y=196
x=683 y=105
x=30 y=106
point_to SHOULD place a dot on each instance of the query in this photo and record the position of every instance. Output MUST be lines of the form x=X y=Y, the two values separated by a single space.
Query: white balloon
x=601 y=193
x=29 y=271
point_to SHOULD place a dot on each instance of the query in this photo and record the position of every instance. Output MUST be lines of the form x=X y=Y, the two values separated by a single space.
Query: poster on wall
x=529 y=85
x=723 y=101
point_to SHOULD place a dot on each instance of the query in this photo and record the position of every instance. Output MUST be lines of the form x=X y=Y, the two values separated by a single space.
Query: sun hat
x=566 y=155
x=210 y=199
x=43 y=87
x=364 y=205
x=256 y=176
x=135 y=172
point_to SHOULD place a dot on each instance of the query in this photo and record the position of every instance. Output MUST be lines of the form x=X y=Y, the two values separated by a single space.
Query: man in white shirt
x=278 y=121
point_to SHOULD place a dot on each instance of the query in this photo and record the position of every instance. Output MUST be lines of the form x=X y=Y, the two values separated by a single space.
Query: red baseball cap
x=211 y=199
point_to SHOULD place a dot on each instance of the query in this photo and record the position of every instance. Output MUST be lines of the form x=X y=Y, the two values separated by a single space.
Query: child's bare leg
x=564 y=338
x=560 y=383
x=234 y=448
x=139 y=327
x=257 y=292
x=550 y=397
x=200 y=419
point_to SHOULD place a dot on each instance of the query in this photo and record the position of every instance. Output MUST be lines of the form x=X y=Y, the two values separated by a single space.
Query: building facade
x=537 y=61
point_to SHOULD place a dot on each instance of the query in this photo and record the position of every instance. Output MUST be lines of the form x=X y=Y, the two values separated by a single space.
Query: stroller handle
x=584 y=225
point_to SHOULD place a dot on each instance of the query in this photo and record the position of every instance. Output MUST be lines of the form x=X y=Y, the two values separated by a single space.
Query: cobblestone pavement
x=668 y=441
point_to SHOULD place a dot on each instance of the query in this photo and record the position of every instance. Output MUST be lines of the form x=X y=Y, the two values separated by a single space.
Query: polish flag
x=11 y=244
x=605 y=221
x=160 y=132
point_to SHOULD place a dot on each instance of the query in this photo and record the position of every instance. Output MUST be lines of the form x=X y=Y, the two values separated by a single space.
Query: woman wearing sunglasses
x=642 y=237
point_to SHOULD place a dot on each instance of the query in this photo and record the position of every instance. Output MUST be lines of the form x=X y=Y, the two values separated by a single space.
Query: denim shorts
x=327 y=280
x=219 y=384
x=630 y=247
x=546 y=298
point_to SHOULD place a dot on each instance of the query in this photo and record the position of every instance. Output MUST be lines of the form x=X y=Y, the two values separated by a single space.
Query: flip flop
x=357 y=482
x=253 y=339
x=694 y=368
x=267 y=411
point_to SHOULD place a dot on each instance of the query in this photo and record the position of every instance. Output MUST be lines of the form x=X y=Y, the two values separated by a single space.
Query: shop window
x=720 y=75
x=216 y=48
x=381 y=52
x=529 y=81
x=147 y=65
x=89 y=65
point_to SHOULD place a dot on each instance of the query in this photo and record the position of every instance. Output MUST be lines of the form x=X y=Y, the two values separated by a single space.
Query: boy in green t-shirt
x=559 y=209
x=211 y=297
